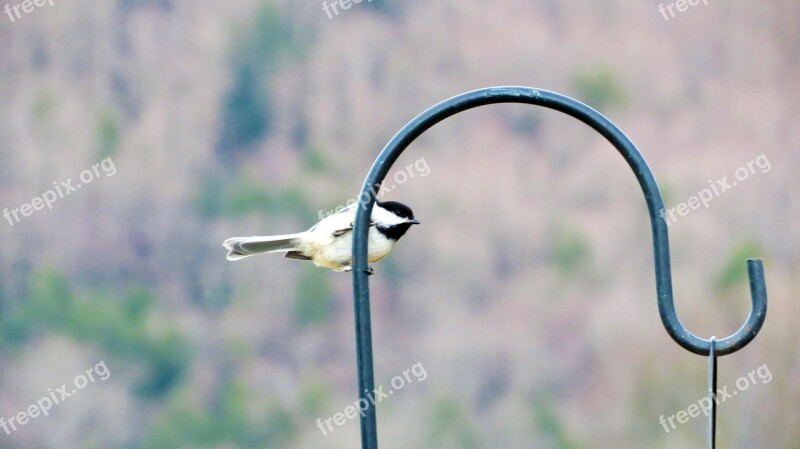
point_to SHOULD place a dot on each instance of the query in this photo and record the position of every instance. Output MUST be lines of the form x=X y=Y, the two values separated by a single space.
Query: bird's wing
x=337 y=224
x=343 y=231
x=335 y=217
x=348 y=209
x=296 y=255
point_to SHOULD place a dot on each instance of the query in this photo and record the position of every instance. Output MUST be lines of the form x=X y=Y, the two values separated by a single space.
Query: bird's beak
x=414 y=221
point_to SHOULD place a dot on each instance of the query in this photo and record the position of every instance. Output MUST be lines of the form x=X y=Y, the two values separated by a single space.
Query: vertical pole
x=366 y=377
x=366 y=380
x=712 y=393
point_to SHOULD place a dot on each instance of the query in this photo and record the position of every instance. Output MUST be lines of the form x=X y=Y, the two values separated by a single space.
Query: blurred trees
x=248 y=117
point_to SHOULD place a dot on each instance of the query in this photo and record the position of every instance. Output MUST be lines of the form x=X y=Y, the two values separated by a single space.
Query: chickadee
x=329 y=243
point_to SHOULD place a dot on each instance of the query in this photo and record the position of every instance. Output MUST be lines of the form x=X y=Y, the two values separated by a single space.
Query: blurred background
x=527 y=294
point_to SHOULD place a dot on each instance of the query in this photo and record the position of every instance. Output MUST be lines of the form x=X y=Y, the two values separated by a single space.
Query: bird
x=329 y=243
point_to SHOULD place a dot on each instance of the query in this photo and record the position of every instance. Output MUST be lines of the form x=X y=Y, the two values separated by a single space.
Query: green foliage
x=226 y=422
x=549 y=424
x=734 y=271
x=248 y=196
x=314 y=160
x=222 y=196
x=278 y=427
x=314 y=398
x=116 y=323
x=314 y=297
x=570 y=251
x=269 y=39
x=209 y=201
x=48 y=300
x=387 y=7
x=450 y=426
x=259 y=51
x=167 y=359
x=43 y=106
x=599 y=88
x=107 y=134
x=245 y=112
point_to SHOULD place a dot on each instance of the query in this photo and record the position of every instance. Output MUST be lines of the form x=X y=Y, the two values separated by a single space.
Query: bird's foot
x=348 y=268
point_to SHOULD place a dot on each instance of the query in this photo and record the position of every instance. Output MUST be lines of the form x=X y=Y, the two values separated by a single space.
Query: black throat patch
x=394 y=232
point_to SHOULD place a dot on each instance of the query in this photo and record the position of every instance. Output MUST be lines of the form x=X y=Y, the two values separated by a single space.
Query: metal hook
x=626 y=148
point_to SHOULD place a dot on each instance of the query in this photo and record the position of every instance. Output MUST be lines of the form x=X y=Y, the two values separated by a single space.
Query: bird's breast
x=336 y=252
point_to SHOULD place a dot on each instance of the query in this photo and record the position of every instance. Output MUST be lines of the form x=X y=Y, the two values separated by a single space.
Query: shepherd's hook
x=652 y=195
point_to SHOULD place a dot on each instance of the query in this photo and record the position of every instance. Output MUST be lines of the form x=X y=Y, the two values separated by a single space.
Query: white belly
x=336 y=252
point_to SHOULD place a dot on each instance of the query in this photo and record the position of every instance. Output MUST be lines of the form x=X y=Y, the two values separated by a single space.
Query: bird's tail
x=241 y=247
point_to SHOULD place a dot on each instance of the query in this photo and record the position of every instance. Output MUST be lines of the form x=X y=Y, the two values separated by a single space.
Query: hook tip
x=755 y=268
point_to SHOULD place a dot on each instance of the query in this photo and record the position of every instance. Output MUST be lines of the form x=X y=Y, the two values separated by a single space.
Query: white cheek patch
x=386 y=218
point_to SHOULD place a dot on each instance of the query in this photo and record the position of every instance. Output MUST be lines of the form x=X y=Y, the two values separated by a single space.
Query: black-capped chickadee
x=329 y=243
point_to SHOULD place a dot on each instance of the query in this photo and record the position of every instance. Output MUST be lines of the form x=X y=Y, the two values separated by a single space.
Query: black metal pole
x=712 y=394
x=629 y=152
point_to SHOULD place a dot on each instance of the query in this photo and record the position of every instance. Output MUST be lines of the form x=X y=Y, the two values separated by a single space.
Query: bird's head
x=393 y=219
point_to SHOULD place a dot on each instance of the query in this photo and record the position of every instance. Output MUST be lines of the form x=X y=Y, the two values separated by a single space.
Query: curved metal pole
x=626 y=148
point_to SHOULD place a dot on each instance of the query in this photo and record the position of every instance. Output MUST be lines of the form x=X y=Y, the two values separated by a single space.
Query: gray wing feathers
x=297 y=255
x=241 y=247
